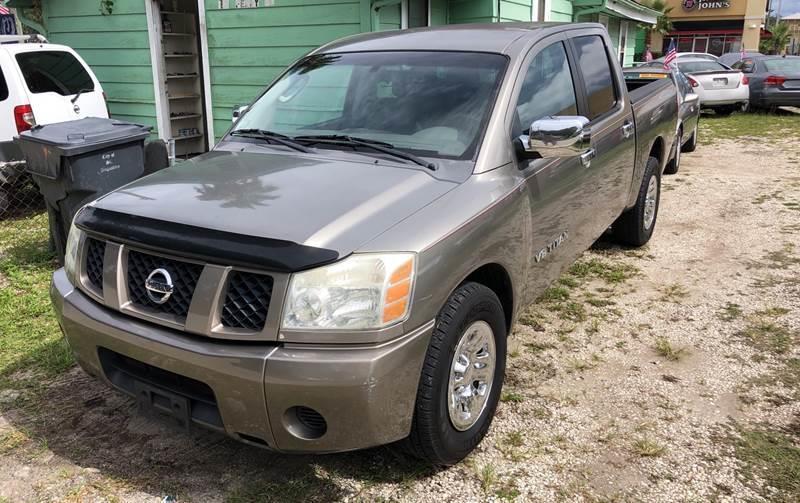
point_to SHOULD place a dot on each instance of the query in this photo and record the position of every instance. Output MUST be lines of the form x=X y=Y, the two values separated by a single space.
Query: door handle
x=627 y=129
x=586 y=157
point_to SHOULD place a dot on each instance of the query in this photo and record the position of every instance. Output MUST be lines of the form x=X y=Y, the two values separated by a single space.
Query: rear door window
x=54 y=72
x=598 y=77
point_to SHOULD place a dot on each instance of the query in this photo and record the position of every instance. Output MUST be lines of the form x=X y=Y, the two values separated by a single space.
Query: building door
x=177 y=49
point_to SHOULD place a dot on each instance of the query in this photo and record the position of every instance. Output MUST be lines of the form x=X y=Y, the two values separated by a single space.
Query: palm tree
x=663 y=23
x=780 y=38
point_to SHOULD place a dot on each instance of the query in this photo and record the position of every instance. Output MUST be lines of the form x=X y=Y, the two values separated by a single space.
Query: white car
x=719 y=87
x=40 y=83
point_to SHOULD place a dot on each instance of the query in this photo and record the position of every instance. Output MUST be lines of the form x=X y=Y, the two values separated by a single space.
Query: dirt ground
x=661 y=374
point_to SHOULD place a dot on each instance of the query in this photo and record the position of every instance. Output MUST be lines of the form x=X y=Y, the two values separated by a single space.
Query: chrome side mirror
x=238 y=110
x=557 y=136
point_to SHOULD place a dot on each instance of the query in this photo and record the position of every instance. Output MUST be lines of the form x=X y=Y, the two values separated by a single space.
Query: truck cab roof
x=483 y=37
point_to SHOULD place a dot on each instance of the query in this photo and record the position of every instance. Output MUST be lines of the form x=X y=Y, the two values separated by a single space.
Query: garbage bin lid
x=83 y=135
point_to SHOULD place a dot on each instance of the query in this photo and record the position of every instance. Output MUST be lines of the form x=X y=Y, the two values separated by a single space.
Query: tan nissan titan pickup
x=343 y=269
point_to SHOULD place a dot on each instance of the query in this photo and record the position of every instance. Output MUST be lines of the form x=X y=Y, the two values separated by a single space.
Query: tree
x=780 y=38
x=663 y=22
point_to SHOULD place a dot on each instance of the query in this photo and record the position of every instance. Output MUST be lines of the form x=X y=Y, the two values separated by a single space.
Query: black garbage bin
x=76 y=162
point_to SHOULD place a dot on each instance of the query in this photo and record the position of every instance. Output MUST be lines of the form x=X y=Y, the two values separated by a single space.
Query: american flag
x=4 y=9
x=671 y=56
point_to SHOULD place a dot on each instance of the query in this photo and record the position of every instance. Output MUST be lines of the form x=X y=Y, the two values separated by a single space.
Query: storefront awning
x=626 y=9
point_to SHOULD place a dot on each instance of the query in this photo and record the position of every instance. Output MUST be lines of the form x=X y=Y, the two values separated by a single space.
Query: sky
x=787 y=6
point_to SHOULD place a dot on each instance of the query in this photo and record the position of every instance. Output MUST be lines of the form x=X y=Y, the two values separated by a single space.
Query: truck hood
x=305 y=199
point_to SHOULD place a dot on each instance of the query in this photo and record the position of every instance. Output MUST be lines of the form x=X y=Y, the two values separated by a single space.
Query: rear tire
x=675 y=164
x=635 y=226
x=473 y=310
x=691 y=145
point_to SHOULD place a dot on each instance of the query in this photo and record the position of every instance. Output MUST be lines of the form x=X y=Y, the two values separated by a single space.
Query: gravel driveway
x=661 y=374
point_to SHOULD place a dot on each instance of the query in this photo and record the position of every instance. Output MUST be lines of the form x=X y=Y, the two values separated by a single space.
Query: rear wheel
x=635 y=226
x=461 y=377
x=675 y=164
x=691 y=145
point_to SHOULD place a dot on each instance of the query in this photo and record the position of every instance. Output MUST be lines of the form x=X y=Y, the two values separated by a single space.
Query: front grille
x=95 y=251
x=184 y=279
x=247 y=301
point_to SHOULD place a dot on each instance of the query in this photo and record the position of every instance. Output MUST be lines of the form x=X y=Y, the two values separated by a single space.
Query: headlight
x=365 y=291
x=71 y=255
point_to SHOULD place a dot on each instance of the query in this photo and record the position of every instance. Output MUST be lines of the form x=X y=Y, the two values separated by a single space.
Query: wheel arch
x=495 y=277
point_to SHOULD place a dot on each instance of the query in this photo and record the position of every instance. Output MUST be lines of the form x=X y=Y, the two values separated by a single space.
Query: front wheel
x=461 y=377
x=635 y=226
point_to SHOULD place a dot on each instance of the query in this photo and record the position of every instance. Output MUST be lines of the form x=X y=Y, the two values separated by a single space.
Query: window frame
x=619 y=99
x=519 y=81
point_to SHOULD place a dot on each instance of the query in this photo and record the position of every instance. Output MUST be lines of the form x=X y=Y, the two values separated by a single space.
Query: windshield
x=783 y=65
x=427 y=103
x=701 y=66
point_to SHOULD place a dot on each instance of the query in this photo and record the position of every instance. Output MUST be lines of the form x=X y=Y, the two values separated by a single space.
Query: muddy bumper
x=287 y=397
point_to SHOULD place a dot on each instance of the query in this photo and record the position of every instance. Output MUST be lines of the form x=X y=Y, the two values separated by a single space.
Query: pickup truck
x=344 y=268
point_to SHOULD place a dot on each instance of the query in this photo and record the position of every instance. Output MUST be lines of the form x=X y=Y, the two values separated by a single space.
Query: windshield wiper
x=280 y=139
x=378 y=146
x=78 y=94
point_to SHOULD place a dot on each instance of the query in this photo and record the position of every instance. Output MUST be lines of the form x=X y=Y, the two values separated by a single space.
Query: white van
x=40 y=83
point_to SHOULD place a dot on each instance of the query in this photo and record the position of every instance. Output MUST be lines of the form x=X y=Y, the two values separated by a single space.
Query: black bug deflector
x=204 y=244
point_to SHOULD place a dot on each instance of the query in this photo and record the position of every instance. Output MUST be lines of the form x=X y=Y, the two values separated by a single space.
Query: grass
x=596 y=268
x=768 y=336
x=30 y=338
x=674 y=293
x=779 y=126
x=730 y=312
x=664 y=348
x=512 y=397
x=647 y=448
x=487 y=476
x=772 y=456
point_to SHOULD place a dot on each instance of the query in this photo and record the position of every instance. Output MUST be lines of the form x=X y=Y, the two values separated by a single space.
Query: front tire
x=461 y=377
x=635 y=226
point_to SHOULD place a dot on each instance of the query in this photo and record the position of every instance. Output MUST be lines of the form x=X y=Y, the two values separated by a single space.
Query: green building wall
x=115 y=47
x=247 y=48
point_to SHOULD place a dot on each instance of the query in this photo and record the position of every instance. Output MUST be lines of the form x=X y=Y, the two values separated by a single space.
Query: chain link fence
x=19 y=196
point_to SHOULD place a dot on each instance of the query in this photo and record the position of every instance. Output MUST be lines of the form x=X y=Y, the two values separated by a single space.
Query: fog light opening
x=304 y=422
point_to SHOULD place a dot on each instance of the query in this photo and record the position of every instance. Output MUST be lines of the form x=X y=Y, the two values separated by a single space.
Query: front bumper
x=365 y=394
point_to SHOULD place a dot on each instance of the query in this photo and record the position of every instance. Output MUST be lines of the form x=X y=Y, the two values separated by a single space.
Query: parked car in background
x=344 y=268
x=688 y=108
x=683 y=55
x=774 y=80
x=729 y=58
x=40 y=83
x=719 y=87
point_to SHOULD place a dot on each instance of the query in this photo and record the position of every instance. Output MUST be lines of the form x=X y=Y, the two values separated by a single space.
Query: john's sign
x=705 y=4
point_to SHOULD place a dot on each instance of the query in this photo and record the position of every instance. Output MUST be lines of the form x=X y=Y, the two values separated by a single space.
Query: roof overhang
x=627 y=9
